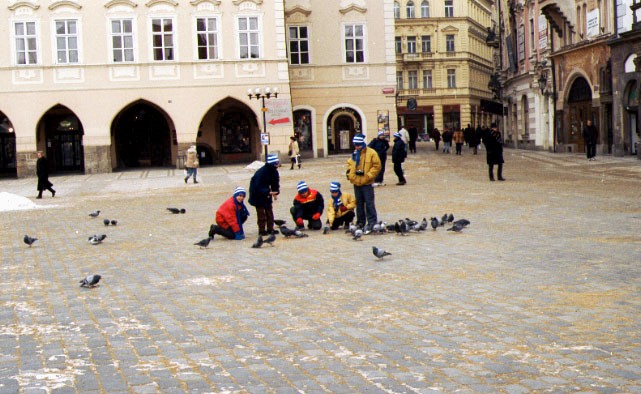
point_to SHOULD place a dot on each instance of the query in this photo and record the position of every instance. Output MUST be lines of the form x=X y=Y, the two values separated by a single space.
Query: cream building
x=106 y=85
x=444 y=63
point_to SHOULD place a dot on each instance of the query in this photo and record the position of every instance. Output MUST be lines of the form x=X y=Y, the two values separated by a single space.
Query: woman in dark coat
x=42 y=171
x=398 y=157
x=264 y=187
x=494 y=147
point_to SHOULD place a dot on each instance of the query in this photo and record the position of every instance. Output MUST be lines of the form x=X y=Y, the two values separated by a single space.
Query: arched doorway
x=631 y=120
x=342 y=124
x=579 y=111
x=229 y=133
x=525 y=116
x=142 y=137
x=7 y=148
x=303 y=129
x=62 y=142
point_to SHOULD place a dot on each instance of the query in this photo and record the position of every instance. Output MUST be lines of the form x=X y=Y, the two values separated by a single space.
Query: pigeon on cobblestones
x=90 y=281
x=97 y=239
x=326 y=229
x=450 y=218
x=443 y=220
x=434 y=223
x=380 y=253
x=176 y=211
x=28 y=240
x=287 y=232
x=258 y=243
x=106 y=222
x=358 y=235
x=203 y=243
x=94 y=214
x=456 y=227
x=463 y=222
x=279 y=222
x=270 y=239
x=114 y=222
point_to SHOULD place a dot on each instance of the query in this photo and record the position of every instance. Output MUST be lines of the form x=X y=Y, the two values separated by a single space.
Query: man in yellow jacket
x=362 y=169
x=341 y=207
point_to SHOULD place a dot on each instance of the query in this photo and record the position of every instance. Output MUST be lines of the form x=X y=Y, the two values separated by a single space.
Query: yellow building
x=444 y=63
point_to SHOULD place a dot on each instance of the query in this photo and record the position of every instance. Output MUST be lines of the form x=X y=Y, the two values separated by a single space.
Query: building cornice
x=298 y=9
x=352 y=7
x=197 y=2
x=114 y=3
x=238 y=2
x=19 y=4
x=63 y=3
x=154 y=2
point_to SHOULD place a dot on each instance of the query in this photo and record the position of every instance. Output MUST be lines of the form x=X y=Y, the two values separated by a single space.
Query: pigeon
x=114 y=222
x=90 y=281
x=456 y=227
x=106 y=222
x=450 y=218
x=434 y=223
x=443 y=220
x=401 y=227
x=423 y=225
x=258 y=243
x=28 y=240
x=351 y=228
x=380 y=253
x=463 y=222
x=379 y=227
x=174 y=210
x=203 y=243
x=97 y=239
x=299 y=234
x=358 y=235
x=94 y=214
x=326 y=229
x=270 y=239
x=279 y=222
x=182 y=210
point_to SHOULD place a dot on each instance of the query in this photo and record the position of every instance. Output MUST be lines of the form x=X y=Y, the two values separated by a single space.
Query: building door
x=303 y=130
x=63 y=137
x=579 y=111
x=7 y=148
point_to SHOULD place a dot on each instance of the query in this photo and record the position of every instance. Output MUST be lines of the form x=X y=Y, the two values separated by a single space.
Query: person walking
x=590 y=136
x=340 y=210
x=42 y=172
x=459 y=139
x=191 y=164
x=264 y=187
x=381 y=146
x=294 y=152
x=398 y=157
x=230 y=217
x=362 y=168
x=447 y=140
x=494 y=147
x=436 y=136
x=413 y=131
x=405 y=136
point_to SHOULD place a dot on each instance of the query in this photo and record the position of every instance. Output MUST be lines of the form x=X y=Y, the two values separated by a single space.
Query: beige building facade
x=444 y=64
x=109 y=85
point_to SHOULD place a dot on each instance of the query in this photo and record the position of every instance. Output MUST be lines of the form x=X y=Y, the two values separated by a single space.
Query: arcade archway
x=142 y=135
x=579 y=107
x=59 y=135
x=7 y=148
x=342 y=124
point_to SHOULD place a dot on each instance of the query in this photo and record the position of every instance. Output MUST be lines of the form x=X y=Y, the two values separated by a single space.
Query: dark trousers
x=398 y=170
x=436 y=142
x=590 y=150
x=312 y=224
x=412 y=146
x=459 y=147
x=225 y=232
x=381 y=174
x=365 y=205
x=499 y=171
x=347 y=218
x=265 y=217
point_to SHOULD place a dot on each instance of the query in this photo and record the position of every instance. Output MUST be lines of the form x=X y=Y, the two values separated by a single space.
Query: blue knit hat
x=240 y=190
x=397 y=135
x=358 y=140
x=302 y=187
x=334 y=187
x=272 y=159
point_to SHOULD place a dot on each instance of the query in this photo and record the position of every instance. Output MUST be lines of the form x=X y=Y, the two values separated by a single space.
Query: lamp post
x=262 y=94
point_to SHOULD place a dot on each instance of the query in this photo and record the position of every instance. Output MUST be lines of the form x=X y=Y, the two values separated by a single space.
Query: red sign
x=279 y=120
x=388 y=90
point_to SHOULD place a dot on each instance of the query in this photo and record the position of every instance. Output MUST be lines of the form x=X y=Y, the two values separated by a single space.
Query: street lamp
x=262 y=94
x=543 y=79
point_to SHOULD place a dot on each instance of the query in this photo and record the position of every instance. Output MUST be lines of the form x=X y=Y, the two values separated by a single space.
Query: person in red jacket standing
x=230 y=217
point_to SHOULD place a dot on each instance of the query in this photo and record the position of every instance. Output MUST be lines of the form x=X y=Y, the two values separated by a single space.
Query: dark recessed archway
x=59 y=135
x=7 y=148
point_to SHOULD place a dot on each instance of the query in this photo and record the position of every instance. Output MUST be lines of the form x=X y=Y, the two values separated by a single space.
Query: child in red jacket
x=230 y=217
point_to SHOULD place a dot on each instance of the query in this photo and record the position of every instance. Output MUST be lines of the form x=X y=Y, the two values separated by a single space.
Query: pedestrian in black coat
x=590 y=135
x=381 y=146
x=413 y=131
x=494 y=147
x=264 y=187
x=398 y=157
x=42 y=171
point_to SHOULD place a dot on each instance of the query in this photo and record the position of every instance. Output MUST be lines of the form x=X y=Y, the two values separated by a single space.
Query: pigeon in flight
x=380 y=253
x=28 y=240
x=106 y=222
x=434 y=223
x=203 y=243
x=258 y=243
x=279 y=222
x=463 y=222
x=114 y=222
x=456 y=227
x=97 y=239
x=270 y=239
x=90 y=281
x=358 y=235
x=94 y=214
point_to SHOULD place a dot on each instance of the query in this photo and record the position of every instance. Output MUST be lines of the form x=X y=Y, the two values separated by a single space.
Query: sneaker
x=186 y=180
x=195 y=181
x=53 y=193
x=375 y=184
x=401 y=183
x=367 y=230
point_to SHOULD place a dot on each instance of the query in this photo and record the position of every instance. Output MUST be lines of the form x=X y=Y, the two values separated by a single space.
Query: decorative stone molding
x=155 y=2
x=298 y=9
x=352 y=7
x=114 y=3
x=238 y=2
x=64 y=3
x=19 y=4
x=197 y=2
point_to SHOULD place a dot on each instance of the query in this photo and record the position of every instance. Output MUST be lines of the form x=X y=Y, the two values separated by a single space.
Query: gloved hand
x=238 y=236
x=299 y=222
x=316 y=216
x=342 y=208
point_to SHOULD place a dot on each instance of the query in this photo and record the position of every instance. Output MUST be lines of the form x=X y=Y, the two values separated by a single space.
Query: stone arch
x=59 y=133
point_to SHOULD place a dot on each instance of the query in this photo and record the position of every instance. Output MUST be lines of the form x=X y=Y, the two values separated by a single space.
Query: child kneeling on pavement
x=340 y=211
x=230 y=217
x=308 y=205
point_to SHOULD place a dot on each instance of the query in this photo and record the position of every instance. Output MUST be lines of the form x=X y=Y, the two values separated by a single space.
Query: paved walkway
x=542 y=293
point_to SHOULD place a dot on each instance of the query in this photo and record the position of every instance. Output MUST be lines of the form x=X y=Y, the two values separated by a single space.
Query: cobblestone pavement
x=542 y=293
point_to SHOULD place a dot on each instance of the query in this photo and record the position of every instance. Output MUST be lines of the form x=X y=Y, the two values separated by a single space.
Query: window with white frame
x=449 y=43
x=397 y=10
x=122 y=40
x=398 y=44
x=427 y=79
x=26 y=40
x=451 y=78
x=449 y=8
x=425 y=9
x=298 y=45
x=248 y=37
x=399 y=80
x=409 y=10
x=354 y=43
x=207 y=38
x=426 y=44
x=411 y=44
x=412 y=79
x=162 y=38
x=66 y=41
